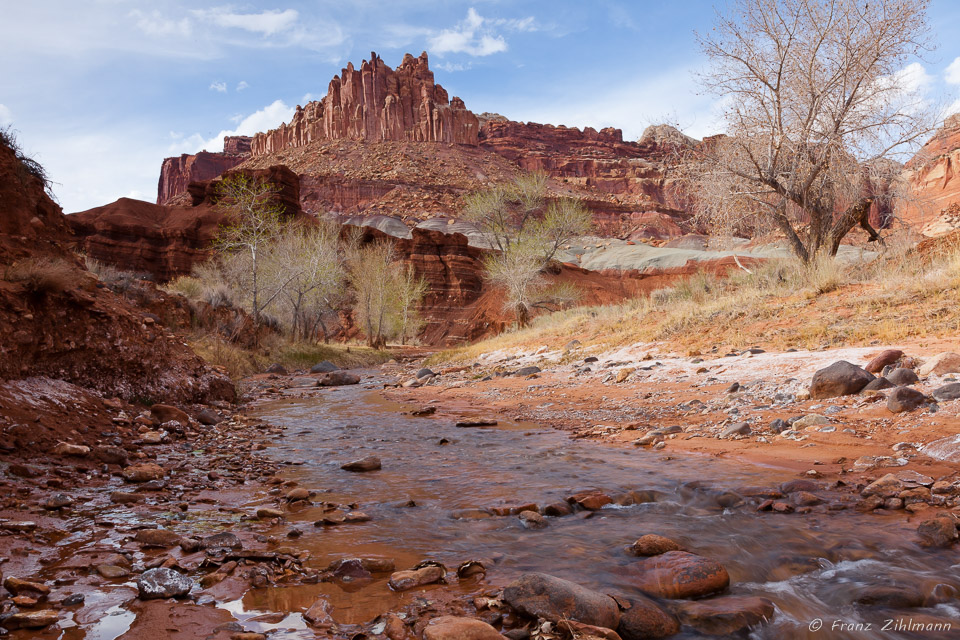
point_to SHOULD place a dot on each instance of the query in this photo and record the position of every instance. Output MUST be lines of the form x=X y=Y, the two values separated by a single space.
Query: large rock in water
x=163 y=583
x=839 y=379
x=456 y=628
x=553 y=599
x=646 y=619
x=338 y=379
x=678 y=574
x=727 y=615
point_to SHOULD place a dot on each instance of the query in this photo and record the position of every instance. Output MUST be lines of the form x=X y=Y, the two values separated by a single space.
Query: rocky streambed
x=334 y=511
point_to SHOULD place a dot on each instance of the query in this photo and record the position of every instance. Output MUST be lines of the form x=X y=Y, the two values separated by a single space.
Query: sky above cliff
x=101 y=91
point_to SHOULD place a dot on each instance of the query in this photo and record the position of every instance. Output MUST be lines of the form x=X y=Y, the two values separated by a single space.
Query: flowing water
x=812 y=566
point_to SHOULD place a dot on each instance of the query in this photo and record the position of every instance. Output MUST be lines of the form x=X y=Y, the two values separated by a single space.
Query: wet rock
x=248 y=635
x=266 y=513
x=532 y=520
x=277 y=368
x=480 y=422
x=544 y=596
x=144 y=472
x=513 y=510
x=163 y=583
x=424 y=373
x=457 y=628
x=68 y=449
x=879 y=384
x=73 y=600
x=112 y=571
x=163 y=538
x=736 y=429
x=411 y=579
x=883 y=359
x=319 y=614
x=23 y=470
x=726 y=615
x=58 y=501
x=355 y=517
x=324 y=366
x=470 y=514
x=527 y=371
x=208 y=417
x=370 y=463
x=889 y=596
x=110 y=455
x=122 y=497
x=590 y=500
x=17 y=586
x=839 y=379
x=298 y=494
x=806 y=499
x=653 y=545
x=360 y=567
x=224 y=539
x=582 y=631
x=937 y=532
x=678 y=574
x=32 y=619
x=902 y=377
x=423 y=411
x=165 y=413
x=885 y=487
x=792 y=486
x=470 y=568
x=338 y=379
x=557 y=510
x=940 y=364
x=947 y=392
x=904 y=399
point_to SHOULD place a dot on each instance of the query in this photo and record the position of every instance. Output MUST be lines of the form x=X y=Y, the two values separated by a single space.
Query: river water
x=814 y=566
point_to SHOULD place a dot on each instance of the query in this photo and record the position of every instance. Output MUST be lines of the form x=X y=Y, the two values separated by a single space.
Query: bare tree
x=255 y=220
x=817 y=94
x=371 y=271
x=409 y=292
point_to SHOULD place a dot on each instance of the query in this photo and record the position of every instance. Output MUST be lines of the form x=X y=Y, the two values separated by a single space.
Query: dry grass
x=42 y=276
x=239 y=362
x=782 y=304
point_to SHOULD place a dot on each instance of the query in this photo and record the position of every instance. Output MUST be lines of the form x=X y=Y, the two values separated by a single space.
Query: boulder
x=883 y=359
x=736 y=429
x=885 y=487
x=903 y=376
x=947 y=392
x=69 y=449
x=839 y=379
x=904 y=399
x=163 y=538
x=653 y=545
x=527 y=371
x=163 y=583
x=417 y=577
x=644 y=618
x=277 y=368
x=208 y=417
x=457 y=628
x=223 y=539
x=726 y=616
x=370 y=463
x=938 y=532
x=424 y=373
x=165 y=413
x=590 y=500
x=144 y=472
x=319 y=614
x=324 y=366
x=941 y=364
x=544 y=596
x=17 y=586
x=678 y=574
x=110 y=455
x=31 y=619
x=338 y=379
x=879 y=384
x=532 y=520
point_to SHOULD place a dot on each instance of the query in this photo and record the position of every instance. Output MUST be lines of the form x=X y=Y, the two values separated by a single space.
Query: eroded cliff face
x=933 y=175
x=178 y=172
x=57 y=321
x=377 y=103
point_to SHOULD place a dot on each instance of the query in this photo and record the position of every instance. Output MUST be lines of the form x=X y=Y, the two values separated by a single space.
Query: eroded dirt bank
x=268 y=534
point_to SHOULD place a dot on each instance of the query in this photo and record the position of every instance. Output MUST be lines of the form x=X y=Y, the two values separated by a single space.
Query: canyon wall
x=377 y=103
x=933 y=175
x=178 y=172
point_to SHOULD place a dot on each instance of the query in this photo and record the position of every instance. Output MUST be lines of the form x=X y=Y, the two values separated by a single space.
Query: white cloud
x=6 y=116
x=952 y=74
x=156 y=24
x=267 y=23
x=914 y=78
x=242 y=85
x=220 y=87
x=264 y=119
x=476 y=35
x=954 y=108
x=452 y=67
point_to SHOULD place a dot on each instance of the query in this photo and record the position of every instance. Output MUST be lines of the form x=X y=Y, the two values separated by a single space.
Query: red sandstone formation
x=166 y=241
x=178 y=172
x=374 y=104
x=57 y=322
x=933 y=174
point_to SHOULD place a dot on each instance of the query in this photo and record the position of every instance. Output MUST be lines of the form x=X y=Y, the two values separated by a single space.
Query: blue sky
x=102 y=90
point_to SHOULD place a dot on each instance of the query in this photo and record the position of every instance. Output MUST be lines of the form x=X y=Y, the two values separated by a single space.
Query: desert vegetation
x=526 y=233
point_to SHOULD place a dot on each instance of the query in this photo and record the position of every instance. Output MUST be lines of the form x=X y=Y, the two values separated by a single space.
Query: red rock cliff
x=377 y=103
x=934 y=175
x=178 y=172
